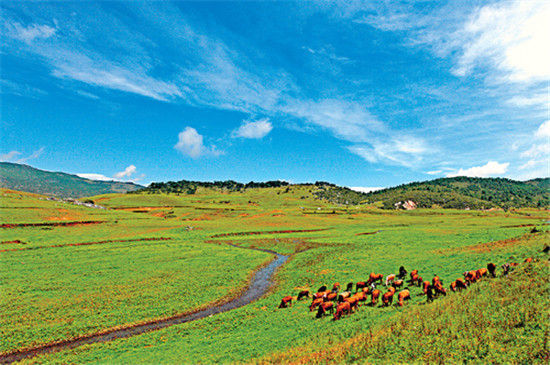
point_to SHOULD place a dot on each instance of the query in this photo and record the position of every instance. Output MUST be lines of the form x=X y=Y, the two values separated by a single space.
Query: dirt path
x=259 y=285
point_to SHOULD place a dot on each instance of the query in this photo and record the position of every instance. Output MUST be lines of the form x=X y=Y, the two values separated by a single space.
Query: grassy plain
x=55 y=293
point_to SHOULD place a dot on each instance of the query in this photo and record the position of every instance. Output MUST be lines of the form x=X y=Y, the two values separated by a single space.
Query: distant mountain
x=26 y=178
x=467 y=192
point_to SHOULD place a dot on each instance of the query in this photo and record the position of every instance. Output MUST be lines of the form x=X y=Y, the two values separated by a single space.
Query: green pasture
x=62 y=292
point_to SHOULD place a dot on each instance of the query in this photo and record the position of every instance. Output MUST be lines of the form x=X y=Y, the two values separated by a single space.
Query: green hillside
x=58 y=184
x=467 y=192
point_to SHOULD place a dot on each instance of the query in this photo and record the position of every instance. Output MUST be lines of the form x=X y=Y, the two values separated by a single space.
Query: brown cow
x=425 y=286
x=360 y=285
x=374 y=297
x=439 y=289
x=361 y=297
x=324 y=308
x=413 y=273
x=402 y=296
x=353 y=302
x=387 y=298
x=321 y=294
x=336 y=287
x=331 y=297
x=436 y=279
x=453 y=286
x=373 y=278
x=390 y=279
x=481 y=273
x=286 y=302
x=303 y=294
x=316 y=302
x=470 y=276
x=343 y=296
x=397 y=284
x=529 y=259
x=419 y=281
x=341 y=309
x=492 y=269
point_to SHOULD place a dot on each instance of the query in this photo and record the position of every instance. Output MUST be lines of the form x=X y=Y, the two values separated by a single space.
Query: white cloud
x=29 y=33
x=544 y=130
x=434 y=172
x=95 y=177
x=365 y=189
x=7 y=157
x=32 y=156
x=254 y=129
x=511 y=36
x=404 y=150
x=190 y=143
x=491 y=168
x=126 y=173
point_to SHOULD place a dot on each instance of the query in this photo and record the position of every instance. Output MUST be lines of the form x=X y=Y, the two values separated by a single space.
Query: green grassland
x=54 y=293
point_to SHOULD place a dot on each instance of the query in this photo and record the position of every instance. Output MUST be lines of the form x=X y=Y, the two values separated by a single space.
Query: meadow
x=155 y=255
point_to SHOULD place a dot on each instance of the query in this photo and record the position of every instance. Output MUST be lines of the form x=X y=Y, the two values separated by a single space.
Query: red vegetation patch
x=84 y=243
x=53 y=224
x=366 y=233
x=265 y=232
x=14 y=242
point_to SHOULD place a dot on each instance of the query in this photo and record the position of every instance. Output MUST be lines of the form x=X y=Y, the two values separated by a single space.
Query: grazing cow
x=419 y=281
x=341 y=309
x=402 y=296
x=453 y=286
x=321 y=294
x=303 y=294
x=425 y=286
x=481 y=273
x=343 y=296
x=402 y=273
x=390 y=279
x=373 y=278
x=316 y=302
x=436 y=279
x=349 y=287
x=505 y=269
x=429 y=293
x=529 y=259
x=460 y=284
x=353 y=302
x=470 y=276
x=323 y=288
x=286 y=302
x=331 y=297
x=387 y=298
x=492 y=269
x=414 y=278
x=439 y=289
x=413 y=273
x=336 y=287
x=374 y=297
x=397 y=284
x=367 y=290
x=360 y=285
x=324 y=308
x=361 y=296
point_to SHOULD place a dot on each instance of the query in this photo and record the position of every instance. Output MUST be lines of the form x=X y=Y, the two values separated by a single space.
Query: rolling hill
x=467 y=192
x=58 y=184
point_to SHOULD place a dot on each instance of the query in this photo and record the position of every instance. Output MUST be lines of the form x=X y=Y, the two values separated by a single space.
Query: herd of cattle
x=346 y=302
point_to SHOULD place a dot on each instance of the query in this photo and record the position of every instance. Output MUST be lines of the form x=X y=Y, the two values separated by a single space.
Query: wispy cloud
x=92 y=176
x=32 y=156
x=127 y=172
x=29 y=33
x=10 y=156
x=254 y=129
x=191 y=144
x=491 y=168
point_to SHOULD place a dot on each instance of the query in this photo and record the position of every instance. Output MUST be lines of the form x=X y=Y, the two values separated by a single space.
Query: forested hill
x=467 y=192
x=58 y=184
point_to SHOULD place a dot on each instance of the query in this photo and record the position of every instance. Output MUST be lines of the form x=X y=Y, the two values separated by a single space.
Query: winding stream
x=259 y=285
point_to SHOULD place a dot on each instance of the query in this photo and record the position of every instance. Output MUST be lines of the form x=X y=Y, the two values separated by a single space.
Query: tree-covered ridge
x=58 y=184
x=190 y=187
x=467 y=192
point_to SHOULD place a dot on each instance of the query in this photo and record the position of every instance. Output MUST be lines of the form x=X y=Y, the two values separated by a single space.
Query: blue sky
x=360 y=94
